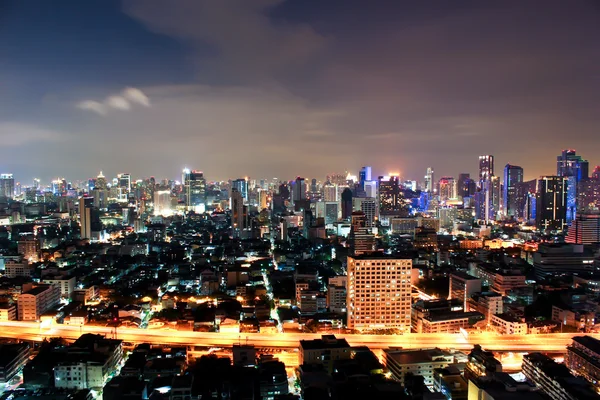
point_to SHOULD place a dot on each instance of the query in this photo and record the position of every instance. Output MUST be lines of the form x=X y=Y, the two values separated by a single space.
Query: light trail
x=555 y=342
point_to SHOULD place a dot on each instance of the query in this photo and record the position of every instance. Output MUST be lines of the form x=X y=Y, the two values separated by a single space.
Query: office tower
x=263 y=199
x=86 y=205
x=299 y=189
x=123 y=186
x=162 y=202
x=59 y=187
x=331 y=212
x=194 y=188
x=362 y=241
x=391 y=200
x=370 y=188
x=524 y=197
x=379 y=293
x=241 y=185
x=429 y=180
x=575 y=169
x=364 y=176
x=330 y=192
x=588 y=198
x=513 y=175
x=238 y=213
x=7 y=186
x=284 y=191
x=585 y=229
x=313 y=185
x=346 y=203
x=447 y=188
x=486 y=167
x=551 y=203
x=463 y=286
x=368 y=206
x=496 y=197
x=465 y=186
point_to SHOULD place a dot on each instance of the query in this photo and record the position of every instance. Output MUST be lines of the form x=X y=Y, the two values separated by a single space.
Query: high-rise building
x=379 y=293
x=162 y=202
x=551 y=203
x=299 y=189
x=346 y=203
x=497 y=206
x=486 y=167
x=513 y=175
x=362 y=241
x=238 y=213
x=391 y=200
x=525 y=200
x=124 y=186
x=7 y=186
x=465 y=186
x=86 y=205
x=575 y=169
x=463 y=286
x=330 y=192
x=447 y=188
x=194 y=187
x=429 y=180
x=369 y=206
x=585 y=229
x=241 y=185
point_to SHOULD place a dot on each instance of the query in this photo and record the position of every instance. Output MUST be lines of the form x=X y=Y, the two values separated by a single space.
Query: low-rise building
x=36 y=301
x=66 y=284
x=8 y=312
x=487 y=303
x=583 y=358
x=555 y=380
x=506 y=324
x=13 y=358
x=324 y=351
x=421 y=362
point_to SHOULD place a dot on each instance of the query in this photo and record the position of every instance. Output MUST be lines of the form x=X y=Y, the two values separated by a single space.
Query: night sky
x=274 y=88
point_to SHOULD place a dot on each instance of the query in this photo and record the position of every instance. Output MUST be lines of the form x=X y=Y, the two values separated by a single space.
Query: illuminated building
x=59 y=187
x=525 y=193
x=506 y=324
x=337 y=294
x=32 y=303
x=391 y=200
x=555 y=259
x=417 y=362
x=463 y=286
x=364 y=174
x=330 y=192
x=241 y=185
x=496 y=197
x=513 y=175
x=486 y=167
x=487 y=303
x=7 y=186
x=583 y=358
x=551 y=203
x=555 y=380
x=447 y=188
x=379 y=293
x=123 y=186
x=465 y=186
x=585 y=229
x=162 y=202
x=368 y=206
x=429 y=180
x=29 y=248
x=194 y=187
x=362 y=241
x=574 y=169
x=481 y=363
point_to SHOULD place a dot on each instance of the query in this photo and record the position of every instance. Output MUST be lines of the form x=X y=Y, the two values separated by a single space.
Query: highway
x=555 y=342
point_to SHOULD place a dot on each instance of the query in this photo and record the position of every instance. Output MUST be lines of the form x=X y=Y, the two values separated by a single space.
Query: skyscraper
x=364 y=175
x=465 y=186
x=241 y=185
x=429 y=180
x=238 y=213
x=391 y=200
x=513 y=175
x=194 y=186
x=447 y=188
x=362 y=241
x=575 y=169
x=551 y=203
x=486 y=167
x=346 y=203
x=7 y=186
x=88 y=218
x=299 y=189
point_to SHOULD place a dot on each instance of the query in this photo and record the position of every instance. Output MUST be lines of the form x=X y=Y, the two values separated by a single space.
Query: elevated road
x=556 y=342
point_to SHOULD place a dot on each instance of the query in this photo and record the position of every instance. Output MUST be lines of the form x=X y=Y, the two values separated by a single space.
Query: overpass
x=34 y=331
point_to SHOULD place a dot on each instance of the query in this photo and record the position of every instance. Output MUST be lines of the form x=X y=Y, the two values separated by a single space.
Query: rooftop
x=326 y=342
x=589 y=342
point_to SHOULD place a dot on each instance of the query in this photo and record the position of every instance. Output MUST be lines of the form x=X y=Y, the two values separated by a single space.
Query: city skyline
x=389 y=84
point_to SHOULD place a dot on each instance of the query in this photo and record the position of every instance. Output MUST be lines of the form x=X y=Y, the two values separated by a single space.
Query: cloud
x=122 y=101
x=20 y=134
x=249 y=45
